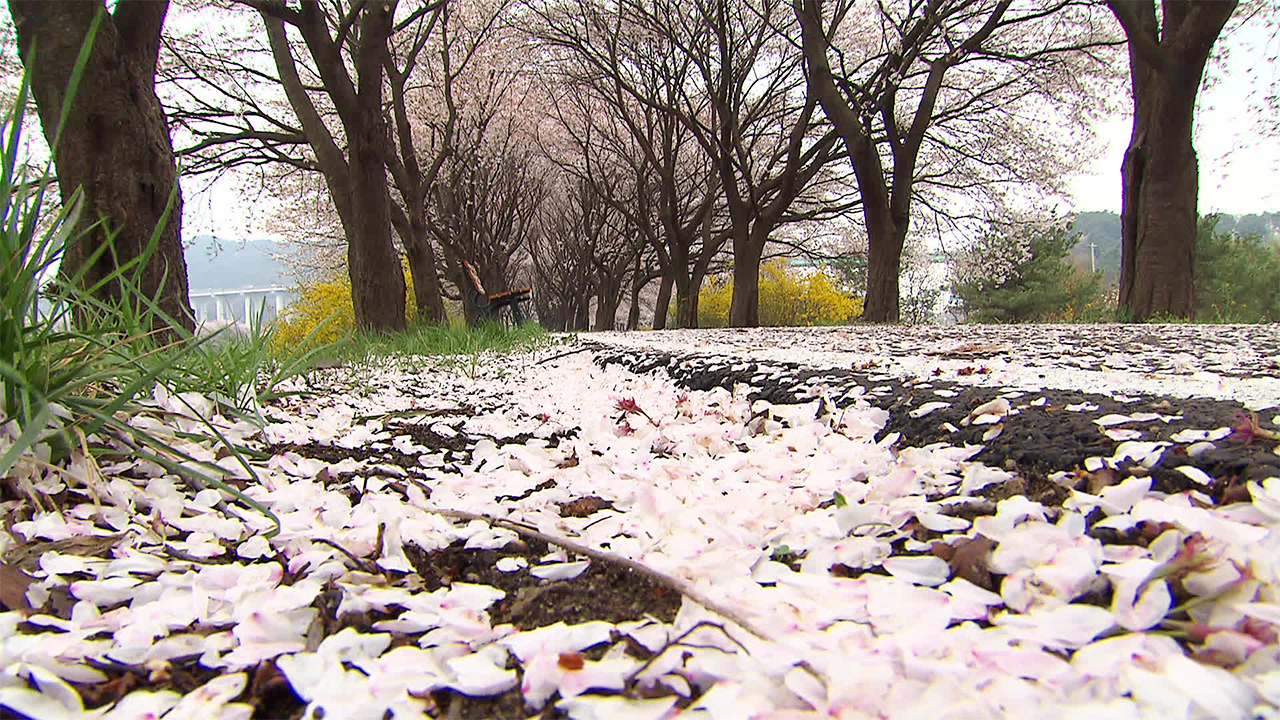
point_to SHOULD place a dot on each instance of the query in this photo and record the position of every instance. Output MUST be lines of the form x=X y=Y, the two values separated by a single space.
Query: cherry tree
x=1161 y=178
x=562 y=279
x=728 y=76
x=484 y=208
x=446 y=91
x=640 y=162
x=115 y=146
x=357 y=174
x=949 y=105
x=295 y=114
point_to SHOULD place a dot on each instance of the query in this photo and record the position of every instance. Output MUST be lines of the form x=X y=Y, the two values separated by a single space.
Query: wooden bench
x=489 y=306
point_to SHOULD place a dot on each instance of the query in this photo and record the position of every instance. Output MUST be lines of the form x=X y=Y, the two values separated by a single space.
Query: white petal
x=143 y=704
x=253 y=548
x=41 y=682
x=511 y=564
x=477 y=675
x=1216 y=691
x=103 y=593
x=209 y=700
x=560 y=571
x=1150 y=607
x=927 y=408
x=928 y=570
x=996 y=408
x=349 y=643
x=1195 y=473
x=613 y=707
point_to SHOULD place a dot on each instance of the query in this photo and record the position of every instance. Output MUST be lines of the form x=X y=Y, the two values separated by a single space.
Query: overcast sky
x=1239 y=158
x=1239 y=171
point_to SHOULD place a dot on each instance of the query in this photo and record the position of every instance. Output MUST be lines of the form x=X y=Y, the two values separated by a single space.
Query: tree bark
x=415 y=182
x=582 y=316
x=688 y=283
x=686 y=303
x=633 y=312
x=371 y=256
x=357 y=182
x=884 y=262
x=663 y=303
x=744 y=310
x=115 y=145
x=886 y=192
x=638 y=281
x=1160 y=174
x=607 y=301
x=426 y=282
x=686 y=299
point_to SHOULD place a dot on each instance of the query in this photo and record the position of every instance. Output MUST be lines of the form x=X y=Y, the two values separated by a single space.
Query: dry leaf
x=13 y=588
x=1102 y=478
x=582 y=507
x=968 y=559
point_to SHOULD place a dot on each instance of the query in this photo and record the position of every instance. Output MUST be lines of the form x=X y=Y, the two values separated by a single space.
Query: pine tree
x=1237 y=276
x=1012 y=279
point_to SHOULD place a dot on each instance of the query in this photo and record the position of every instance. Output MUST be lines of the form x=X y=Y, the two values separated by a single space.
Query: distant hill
x=215 y=263
x=1267 y=225
x=1102 y=231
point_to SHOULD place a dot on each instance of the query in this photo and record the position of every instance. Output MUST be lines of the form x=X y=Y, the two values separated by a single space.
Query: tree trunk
x=607 y=301
x=426 y=283
x=687 y=310
x=377 y=280
x=886 y=198
x=663 y=303
x=115 y=145
x=884 y=260
x=637 y=287
x=1158 y=231
x=1160 y=175
x=887 y=218
x=357 y=181
x=744 y=309
x=686 y=299
x=582 y=318
x=633 y=313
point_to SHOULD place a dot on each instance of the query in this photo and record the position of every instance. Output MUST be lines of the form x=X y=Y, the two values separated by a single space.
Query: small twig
x=676 y=584
x=364 y=565
x=564 y=354
x=377 y=545
x=598 y=520
x=188 y=557
x=678 y=641
x=424 y=412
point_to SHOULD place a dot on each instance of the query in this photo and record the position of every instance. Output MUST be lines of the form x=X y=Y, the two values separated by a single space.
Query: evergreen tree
x=1237 y=276
x=1010 y=278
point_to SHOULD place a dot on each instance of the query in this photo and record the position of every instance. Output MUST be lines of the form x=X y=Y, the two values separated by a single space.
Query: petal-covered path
x=726 y=533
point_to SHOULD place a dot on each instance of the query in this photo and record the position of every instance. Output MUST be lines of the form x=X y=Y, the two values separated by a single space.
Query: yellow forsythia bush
x=787 y=298
x=317 y=301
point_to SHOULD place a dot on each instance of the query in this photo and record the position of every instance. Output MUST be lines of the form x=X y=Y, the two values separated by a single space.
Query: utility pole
x=1093 y=260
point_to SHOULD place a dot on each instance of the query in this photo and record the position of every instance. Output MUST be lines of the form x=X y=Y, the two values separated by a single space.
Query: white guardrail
x=240 y=304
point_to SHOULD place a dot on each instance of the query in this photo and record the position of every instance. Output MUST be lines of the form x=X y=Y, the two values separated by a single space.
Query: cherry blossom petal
x=213 y=699
x=560 y=571
x=479 y=675
x=588 y=707
x=1068 y=626
x=31 y=687
x=927 y=570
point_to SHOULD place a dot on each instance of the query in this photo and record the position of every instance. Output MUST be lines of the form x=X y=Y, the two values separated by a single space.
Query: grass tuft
x=446 y=340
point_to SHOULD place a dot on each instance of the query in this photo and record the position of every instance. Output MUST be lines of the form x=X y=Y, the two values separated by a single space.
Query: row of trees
x=599 y=146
